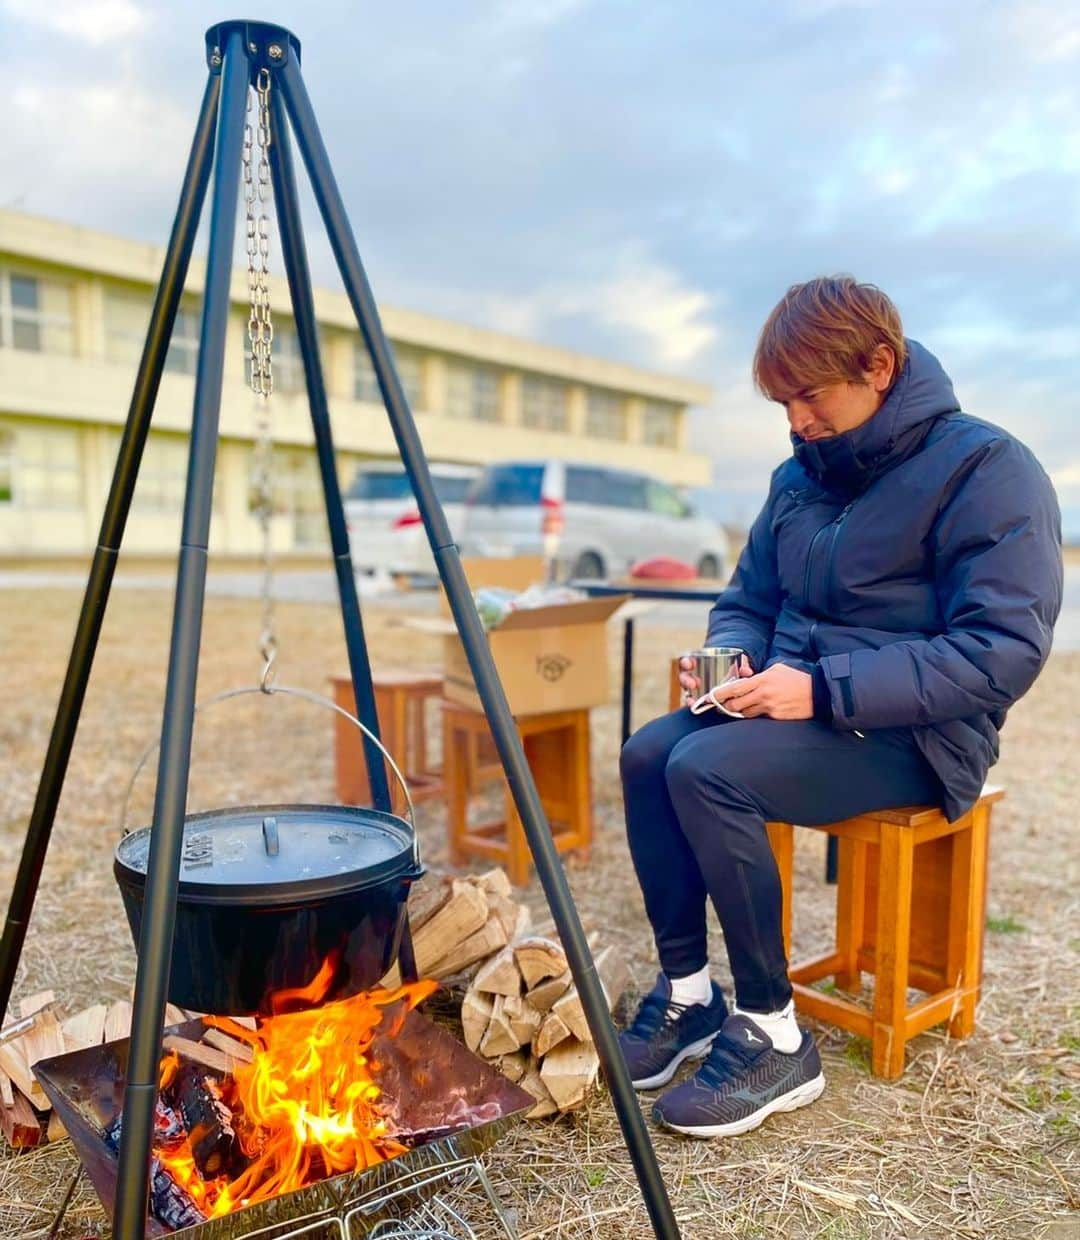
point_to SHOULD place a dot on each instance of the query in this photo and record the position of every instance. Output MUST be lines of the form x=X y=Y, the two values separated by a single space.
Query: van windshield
x=509 y=485
x=380 y=485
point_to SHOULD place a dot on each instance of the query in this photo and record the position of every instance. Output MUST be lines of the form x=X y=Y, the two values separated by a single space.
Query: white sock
x=781 y=1026
x=697 y=988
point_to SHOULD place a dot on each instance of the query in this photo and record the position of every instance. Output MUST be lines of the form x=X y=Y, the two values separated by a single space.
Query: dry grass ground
x=979 y=1139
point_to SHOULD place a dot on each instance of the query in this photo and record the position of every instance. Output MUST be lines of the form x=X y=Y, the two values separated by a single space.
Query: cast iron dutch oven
x=267 y=893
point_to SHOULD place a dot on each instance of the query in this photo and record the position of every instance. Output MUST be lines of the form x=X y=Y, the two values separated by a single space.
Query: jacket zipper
x=810 y=561
x=836 y=525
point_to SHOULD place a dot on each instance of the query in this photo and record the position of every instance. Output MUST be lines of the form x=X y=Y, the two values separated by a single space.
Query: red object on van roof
x=663 y=568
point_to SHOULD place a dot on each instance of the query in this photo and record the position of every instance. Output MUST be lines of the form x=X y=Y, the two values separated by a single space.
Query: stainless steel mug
x=714 y=666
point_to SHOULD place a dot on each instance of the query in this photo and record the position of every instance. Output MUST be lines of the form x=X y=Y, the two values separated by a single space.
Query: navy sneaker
x=743 y=1081
x=664 y=1034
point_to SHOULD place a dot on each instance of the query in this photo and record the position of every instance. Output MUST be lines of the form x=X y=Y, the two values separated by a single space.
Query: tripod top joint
x=266 y=46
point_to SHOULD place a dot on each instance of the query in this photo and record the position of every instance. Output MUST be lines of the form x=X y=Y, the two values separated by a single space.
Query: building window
x=410 y=368
x=7 y=465
x=660 y=424
x=286 y=362
x=365 y=385
x=605 y=414
x=543 y=403
x=183 y=355
x=472 y=391
x=35 y=314
x=162 y=474
x=127 y=316
x=296 y=493
x=46 y=468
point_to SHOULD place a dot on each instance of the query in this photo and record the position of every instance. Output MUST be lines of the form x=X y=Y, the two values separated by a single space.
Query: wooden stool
x=401 y=695
x=557 y=747
x=910 y=909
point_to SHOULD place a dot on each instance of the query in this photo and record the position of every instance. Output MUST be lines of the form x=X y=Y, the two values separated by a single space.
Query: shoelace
x=726 y=1061
x=655 y=1014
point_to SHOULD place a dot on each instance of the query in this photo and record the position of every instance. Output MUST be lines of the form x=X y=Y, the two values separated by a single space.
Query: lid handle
x=270 y=837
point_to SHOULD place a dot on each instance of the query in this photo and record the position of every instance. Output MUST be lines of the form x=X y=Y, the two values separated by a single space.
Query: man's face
x=835 y=408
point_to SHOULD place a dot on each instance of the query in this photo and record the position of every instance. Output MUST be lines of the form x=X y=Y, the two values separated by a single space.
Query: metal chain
x=260 y=341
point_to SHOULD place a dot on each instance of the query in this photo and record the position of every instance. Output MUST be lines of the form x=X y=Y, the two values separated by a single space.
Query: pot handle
x=307 y=695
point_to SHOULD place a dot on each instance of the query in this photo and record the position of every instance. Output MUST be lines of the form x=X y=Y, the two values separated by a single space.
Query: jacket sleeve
x=998 y=575
x=745 y=613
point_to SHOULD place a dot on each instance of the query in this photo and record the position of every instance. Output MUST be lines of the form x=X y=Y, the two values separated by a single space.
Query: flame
x=307 y=1106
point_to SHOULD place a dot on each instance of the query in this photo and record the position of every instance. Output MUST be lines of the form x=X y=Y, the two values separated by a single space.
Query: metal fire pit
x=430 y=1077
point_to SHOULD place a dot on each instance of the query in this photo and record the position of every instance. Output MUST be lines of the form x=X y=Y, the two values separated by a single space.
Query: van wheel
x=708 y=566
x=589 y=566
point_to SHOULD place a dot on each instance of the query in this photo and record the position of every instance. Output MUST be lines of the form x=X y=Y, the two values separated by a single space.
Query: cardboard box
x=513 y=572
x=548 y=658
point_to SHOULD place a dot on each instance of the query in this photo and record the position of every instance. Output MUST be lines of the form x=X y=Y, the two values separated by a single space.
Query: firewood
x=569 y=1071
x=118 y=1021
x=613 y=974
x=489 y=938
x=500 y=975
x=14 y=1065
x=539 y=959
x=524 y=1020
x=500 y=1038
x=42 y=1041
x=7 y=1093
x=84 y=1029
x=174 y=1015
x=199 y=1052
x=533 y=1083
x=514 y=1065
x=35 y=1003
x=550 y=1034
x=426 y=898
x=463 y=914
x=56 y=1130
x=214 y=1143
x=496 y=882
x=543 y=995
x=232 y=1047
x=21 y=1126
x=476 y=1010
x=513 y=916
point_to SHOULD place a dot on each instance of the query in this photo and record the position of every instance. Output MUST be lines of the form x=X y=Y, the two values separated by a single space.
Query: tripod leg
x=296 y=266
x=488 y=685
x=163 y=867
x=92 y=615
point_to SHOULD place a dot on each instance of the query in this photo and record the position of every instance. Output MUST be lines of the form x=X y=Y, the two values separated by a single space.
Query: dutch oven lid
x=279 y=854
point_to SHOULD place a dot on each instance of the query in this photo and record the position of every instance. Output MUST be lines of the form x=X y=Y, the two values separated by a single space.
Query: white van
x=594 y=520
x=386 y=533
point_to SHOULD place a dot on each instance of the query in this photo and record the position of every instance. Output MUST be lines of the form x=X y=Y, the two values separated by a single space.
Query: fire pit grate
x=428 y=1074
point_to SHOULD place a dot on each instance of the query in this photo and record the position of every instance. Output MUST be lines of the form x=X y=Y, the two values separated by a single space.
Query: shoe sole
x=801 y=1096
x=696 y=1050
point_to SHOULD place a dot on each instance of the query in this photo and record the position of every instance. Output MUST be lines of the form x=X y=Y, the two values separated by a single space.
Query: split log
x=7 y=1092
x=426 y=898
x=232 y=1047
x=514 y=1065
x=544 y=994
x=549 y=1035
x=200 y=1053
x=524 y=1019
x=569 y=1071
x=56 y=1130
x=501 y=975
x=42 y=1041
x=463 y=914
x=489 y=938
x=539 y=959
x=496 y=882
x=476 y=1009
x=21 y=1126
x=532 y=1082
x=118 y=1021
x=514 y=917
x=613 y=974
x=174 y=1015
x=500 y=1038
x=85 y=1029
x=33 y=1004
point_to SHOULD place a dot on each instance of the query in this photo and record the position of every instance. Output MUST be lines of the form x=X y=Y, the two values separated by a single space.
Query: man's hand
x=779 y=692
x=691 y=686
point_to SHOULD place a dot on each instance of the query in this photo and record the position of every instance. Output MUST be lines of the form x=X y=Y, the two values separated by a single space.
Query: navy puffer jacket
x=917 y=561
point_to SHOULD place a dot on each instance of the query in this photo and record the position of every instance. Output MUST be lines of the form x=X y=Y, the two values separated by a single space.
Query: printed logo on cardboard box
x=552 y=666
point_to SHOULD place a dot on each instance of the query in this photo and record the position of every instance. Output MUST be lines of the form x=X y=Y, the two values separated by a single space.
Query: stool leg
x=455 y=776
x=581 y=766
x=850 y=910
x=967 y=919
x=896 y=854
x=518 y=857
x=782 y=841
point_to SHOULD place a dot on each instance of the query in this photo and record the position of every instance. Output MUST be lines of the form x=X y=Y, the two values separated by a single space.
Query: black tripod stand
x=238 y=53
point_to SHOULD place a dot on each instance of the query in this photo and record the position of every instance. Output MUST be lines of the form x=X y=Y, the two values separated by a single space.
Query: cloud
x=96 y=22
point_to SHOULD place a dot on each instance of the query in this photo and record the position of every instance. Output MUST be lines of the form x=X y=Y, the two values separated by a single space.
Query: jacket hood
x=848 y=463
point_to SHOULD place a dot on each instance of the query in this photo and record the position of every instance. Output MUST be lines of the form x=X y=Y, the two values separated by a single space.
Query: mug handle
x=708 y=702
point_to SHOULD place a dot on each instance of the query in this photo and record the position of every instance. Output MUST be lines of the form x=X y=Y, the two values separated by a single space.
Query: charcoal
x=169 y=1203
x=168 y=1127
x=214 y=1144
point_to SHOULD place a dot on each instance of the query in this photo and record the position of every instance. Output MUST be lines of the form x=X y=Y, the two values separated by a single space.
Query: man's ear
x=882 y=368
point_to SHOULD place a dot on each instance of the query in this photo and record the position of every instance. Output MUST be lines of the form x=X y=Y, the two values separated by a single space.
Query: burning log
x=213 y=1140
x=170 y=1203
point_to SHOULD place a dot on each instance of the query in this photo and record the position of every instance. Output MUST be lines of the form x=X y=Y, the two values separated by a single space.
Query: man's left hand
x=779 y=692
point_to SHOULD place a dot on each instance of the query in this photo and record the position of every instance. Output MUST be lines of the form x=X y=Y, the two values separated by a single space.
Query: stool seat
x=558 y=751
x=910 y=909
x=401 y=697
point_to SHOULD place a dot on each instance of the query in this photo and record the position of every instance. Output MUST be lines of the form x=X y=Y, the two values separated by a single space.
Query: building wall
x=73 y=311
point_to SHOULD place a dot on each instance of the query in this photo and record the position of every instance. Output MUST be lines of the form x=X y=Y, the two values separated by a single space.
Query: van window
x=451 y=490
x=510 y=485
x=379 y=485
x=584 y=485
x=665 y=502
x=624 y=490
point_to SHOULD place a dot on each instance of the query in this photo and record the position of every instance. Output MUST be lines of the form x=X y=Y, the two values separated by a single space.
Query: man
x=896 y=595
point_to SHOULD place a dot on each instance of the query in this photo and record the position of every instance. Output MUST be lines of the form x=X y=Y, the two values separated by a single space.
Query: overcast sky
x=635 y=178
